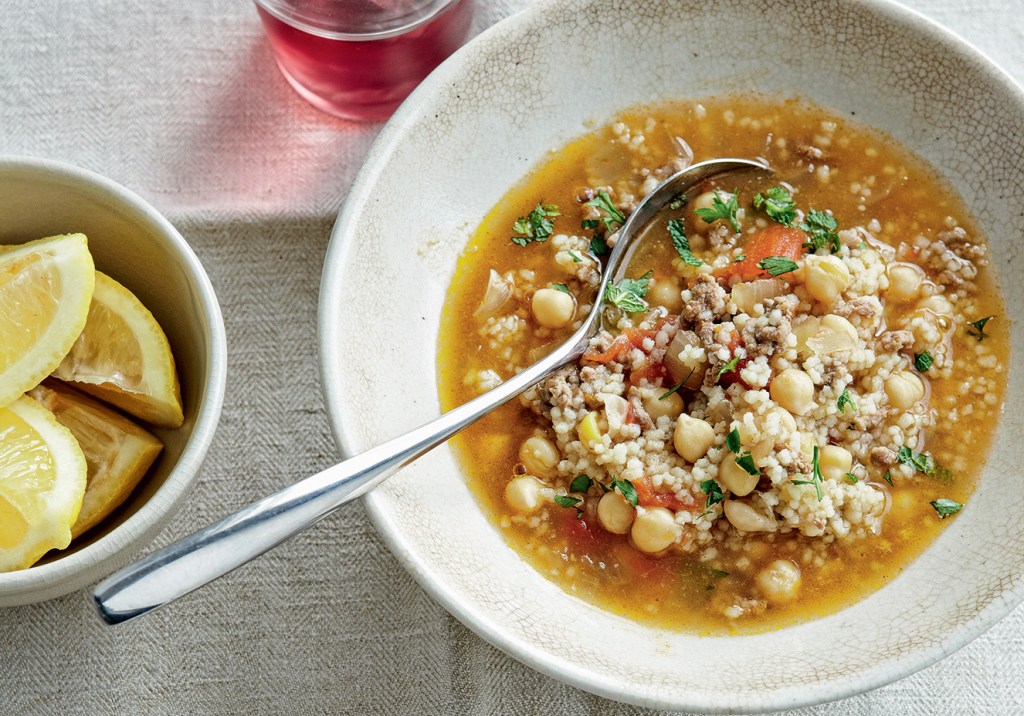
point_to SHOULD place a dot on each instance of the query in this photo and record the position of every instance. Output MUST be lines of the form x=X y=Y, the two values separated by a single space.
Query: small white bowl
x=133 y=243
x=475 y=128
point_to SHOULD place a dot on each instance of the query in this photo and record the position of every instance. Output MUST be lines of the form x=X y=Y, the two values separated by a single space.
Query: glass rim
x=274 y=8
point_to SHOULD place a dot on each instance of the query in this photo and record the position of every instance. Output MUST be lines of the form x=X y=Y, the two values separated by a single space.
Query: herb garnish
x=920 y=461
x=923 y=361
x=821 y=231
x=627 y=490
x=567 y=500
x=816 y=478
x=888 y=477
x=946 y=507
x=778 y=204
x=535 y=226
x=728 y=367
x=732 y=441
x=682 y=244
x=852 y=478
x=613 y=217
x=628 y=294
x=560 y=287
x=722 y=210
x=714 y=492
x=743 y=459
x=677 y=386
x=977 y=328
x=845 y=401
x=677 y=202
x=580 y=483
x=741 y=257
x=598 y=246
x=776 y=265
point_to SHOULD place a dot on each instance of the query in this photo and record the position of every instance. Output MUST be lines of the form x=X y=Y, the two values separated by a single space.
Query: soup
x=796 y=383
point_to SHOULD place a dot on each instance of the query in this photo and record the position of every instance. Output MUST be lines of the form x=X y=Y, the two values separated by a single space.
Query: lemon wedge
x=45 y=290
x=123 y=358
x=117 y=451
x=42 y=480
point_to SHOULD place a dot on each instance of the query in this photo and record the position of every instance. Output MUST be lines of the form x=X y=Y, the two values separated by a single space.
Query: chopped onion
x=685 y=153
x=692 y=372
x=750 y=293
x=833 y=334
x=616 y=409
x=498 y=291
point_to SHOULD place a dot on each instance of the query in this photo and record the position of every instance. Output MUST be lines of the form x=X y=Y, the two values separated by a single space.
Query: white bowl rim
x=179 y=482
x=477 y=621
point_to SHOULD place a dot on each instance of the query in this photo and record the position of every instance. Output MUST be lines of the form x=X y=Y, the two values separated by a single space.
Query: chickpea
x=615 y=513
x=937 y=304
x=665 y=292
x=540 y=456
x=904 y=389
x=826 y=277
x=744 y=516
x=654 y=529
x=589 y=429
x=707 y=201
x=780 y=581
x=692 y=438
x=524 y=494
x=793 y=389
x=553 y=308
x=657 y=406
x=737 y=480
x=834 y=462
x=785 y=418
x=904 y=282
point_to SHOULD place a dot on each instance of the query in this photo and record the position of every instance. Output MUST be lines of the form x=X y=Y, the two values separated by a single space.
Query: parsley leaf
x=714 y=492
x=746 y=461
x=776 y=265
x=977 y=328
x=946 y=507
x=677 y=386
x=677 y=202
x=628 y=294
x=682 y=244
x=613 y=218
x=741 y=257
x=821 y=231
x=728 y=367
x=627 y=490
x=852 y=478
x=923 y=361
x=580 y=483
x=920 y=461
x=845 y=401
x=778 y=204
x=887 y=476
x=732 y=440
x=535 y=226
x=598 y=246
x=567 y=501
x=722 y=210
x=816 y=477
x=560 y=287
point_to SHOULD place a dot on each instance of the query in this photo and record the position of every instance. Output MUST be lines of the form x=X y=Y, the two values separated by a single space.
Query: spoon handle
x=212 y=552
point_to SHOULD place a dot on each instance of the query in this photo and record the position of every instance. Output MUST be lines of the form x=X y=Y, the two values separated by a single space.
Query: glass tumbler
x=358 y=59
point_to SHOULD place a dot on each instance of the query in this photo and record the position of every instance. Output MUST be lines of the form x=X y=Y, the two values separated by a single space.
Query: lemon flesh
x=123 y=358
x=45 y=290
x=42 y=481
x=117 y=451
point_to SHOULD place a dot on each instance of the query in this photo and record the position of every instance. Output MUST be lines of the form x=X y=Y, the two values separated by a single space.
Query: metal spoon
x=214 y=551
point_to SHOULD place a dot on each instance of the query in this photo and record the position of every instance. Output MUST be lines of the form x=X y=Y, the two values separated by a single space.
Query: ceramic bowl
x=476 y=127
x=134 y=244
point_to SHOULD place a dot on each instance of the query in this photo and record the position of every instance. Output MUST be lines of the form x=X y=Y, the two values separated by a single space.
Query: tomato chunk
x=774 y=240
x=647 y=496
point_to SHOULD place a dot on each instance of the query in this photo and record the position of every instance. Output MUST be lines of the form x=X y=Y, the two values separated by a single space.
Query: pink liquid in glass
x=364 y=78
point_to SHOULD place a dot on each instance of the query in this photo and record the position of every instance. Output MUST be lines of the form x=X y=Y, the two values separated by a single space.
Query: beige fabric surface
x=181 y=102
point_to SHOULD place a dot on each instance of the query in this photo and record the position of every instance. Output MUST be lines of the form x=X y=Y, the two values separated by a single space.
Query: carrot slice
x=774 y=240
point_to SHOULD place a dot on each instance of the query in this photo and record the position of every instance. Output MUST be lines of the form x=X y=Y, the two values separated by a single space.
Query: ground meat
x=895 y=341
x=883 y=457
x=562 y=390
x=674 y=166
x=707 y=302
x=767 y=334
x=866 y=306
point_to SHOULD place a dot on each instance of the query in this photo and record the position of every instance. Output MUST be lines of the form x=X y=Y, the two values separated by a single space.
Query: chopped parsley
x=746 y=461
x=776 y=265
x=612 y=217
x=741 y=257
x=728 y=367
x=627 y=490
x=714 y=492
x=887 y=476
x=852 y=478
x=845 y=401
x=920 y=461
x=535 y=226
x=580 y=483
x=628 y=294
x=677 y=386
x=778 y=204
x=560 y=287
x=821 y=231
x=923 y=361
x=598 y=246
x=977 y=328
x=722 y=210
x=816 y=478
x=732 y=441
x=682 y=244
x=677 y=202
x=567 y=500
x=946 y=507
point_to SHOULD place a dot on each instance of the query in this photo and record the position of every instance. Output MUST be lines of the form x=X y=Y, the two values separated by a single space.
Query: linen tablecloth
x=181 y=102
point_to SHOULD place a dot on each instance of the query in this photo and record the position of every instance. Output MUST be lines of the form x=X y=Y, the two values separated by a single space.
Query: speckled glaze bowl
x=477 y=126
x=133 y=243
